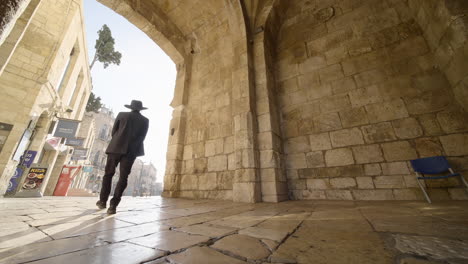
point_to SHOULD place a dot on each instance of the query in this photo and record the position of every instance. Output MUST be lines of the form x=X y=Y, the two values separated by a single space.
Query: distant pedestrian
x=128 y=134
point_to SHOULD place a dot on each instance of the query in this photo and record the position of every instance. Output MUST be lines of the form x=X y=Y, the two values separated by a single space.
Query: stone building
x=311 y=99
x=44 y=76
x=88 y=133
x=141 y=180
x=103 y=122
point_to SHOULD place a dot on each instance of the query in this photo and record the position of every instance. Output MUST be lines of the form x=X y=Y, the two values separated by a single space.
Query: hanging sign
x=87 y=168
x=29 y=158
x=76 y=142
x=79 y=154
x=66 y=128
x=34 y=178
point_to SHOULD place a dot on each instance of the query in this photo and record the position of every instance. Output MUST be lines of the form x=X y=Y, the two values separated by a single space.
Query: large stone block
x=394 y=168
x=339 y=157
x=365 y=96
x=297 y=184
x=339 y=195
x=188 y=182
x=331 y=73
x=315 y=159
x=428 y=147
x=380 y=132
x=334 y=103
x=455 y=145
x=214 y=147
x=386 y=111
x=296 y=161
x=367 y=154
x=207 y=181
x=297 y=145
x=217 y=163
x=372 y=169
x=373 y=195
x=346 y=137
x=354 y=117
x=342 y=183
x=247 y=192
x=389 y=182
x=225 y=180
x=365 y=182
x=430 y=124
x=453 y=122
x=343 y=85
x=400 y=150
x=407 y=128
x=408 y=194
x=318 y=184
x=318 y=91
x=320 y=142
x=327 y=122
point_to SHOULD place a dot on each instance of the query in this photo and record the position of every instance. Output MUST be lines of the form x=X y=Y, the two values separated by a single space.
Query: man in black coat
x=128 y=134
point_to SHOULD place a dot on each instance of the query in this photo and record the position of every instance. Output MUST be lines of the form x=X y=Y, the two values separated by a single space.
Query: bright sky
x=145 y=73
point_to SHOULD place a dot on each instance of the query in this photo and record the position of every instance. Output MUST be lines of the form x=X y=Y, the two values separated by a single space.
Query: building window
x=96 y=158
x=65 y=70
x=103 y=133
x=74 y=92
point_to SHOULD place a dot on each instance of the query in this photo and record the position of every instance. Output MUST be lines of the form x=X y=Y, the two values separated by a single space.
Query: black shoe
x=112 y=210
x=101 y=205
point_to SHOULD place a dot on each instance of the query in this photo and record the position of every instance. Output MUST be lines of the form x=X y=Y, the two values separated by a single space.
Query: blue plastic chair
x=433 y=165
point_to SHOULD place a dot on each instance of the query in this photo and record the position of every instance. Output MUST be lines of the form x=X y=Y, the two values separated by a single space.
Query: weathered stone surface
x=372 y=195
x=264 y=233
x=217 y=163
x=341 y=183
x=202 y=255
x=367 y=154
x=242 y=245
x=346 y=137
x=394 y=168
x=354 y=117
x=389 y=182
x=338 y=195
x=455 y=145
x=380 y=132
x=407 y=128
x=327 y=122
x=320 y=141
x=297 y=145
x=428 y=147
x=400 y=150
x=339 y=157
x=169 y=240
x=207 y=230
x=386 y=111
x=365 y=182
x=320 y=184
x=372 y=169
x=315 y=159
x=296 y=161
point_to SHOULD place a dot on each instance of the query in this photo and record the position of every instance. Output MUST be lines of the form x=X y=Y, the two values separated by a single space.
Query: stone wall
x=362 y=92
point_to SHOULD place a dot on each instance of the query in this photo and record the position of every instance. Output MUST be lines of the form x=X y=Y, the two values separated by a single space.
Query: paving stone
x=81 y=228
x=433 y=247
x=20 y=237
x=202 y=255
x=119 y=253
x=244 y=246
x=207 y=230
x=264 y=233
x=169 y=240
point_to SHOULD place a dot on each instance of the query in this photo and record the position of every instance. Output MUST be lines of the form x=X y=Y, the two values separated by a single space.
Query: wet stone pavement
x=159 y=230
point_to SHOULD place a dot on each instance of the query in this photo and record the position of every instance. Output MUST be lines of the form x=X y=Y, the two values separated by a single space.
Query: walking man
x=128 y=134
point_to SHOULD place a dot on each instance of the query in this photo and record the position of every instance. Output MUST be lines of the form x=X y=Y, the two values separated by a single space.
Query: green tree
x=94 y=103
x=105 y=52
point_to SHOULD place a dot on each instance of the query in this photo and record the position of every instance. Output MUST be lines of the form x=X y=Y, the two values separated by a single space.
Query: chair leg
x=423 y=190
x=462 y=179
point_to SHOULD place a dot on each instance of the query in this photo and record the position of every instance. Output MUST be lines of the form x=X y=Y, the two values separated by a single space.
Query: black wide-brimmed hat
x=136 y=105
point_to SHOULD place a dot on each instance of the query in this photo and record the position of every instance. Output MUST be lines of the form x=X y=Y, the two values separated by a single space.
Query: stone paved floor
x=157 y=230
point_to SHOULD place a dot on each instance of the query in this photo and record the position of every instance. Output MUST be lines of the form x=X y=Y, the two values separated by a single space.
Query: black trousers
x=126 y=163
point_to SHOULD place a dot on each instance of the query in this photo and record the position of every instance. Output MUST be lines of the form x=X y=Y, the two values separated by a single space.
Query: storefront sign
x=66 y=128
x=76 y=142
x=29 y=158
x=14 y=180
x=79 y=154
x=34 y=178
x=87 y=168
